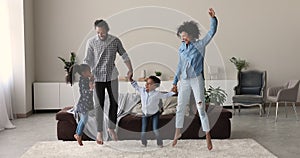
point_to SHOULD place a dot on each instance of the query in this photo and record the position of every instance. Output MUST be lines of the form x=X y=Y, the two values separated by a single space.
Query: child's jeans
x=154 y=118
x=81 y=123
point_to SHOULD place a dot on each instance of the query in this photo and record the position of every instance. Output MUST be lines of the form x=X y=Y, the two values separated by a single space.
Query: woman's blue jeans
x=197 y=86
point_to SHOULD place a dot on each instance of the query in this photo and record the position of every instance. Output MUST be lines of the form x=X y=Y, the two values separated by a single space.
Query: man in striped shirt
x=101 y=51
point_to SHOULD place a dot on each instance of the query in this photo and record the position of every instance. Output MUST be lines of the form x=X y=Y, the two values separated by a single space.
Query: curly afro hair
x=190 y=27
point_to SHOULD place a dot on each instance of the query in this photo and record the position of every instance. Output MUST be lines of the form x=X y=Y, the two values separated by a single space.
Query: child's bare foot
x=113 y=134
x=78 y=138
x=177 y=136
x=208 y=141
x=99 y=138
x=144 y=145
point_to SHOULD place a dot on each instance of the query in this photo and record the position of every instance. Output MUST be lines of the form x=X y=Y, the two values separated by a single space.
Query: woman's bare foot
x=99 y=138
x=176 y=137
x=113 y=134
x=78 y=138
x=208 y=141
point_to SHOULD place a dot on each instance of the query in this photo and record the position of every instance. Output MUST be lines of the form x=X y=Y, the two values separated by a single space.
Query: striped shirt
x=100 y=56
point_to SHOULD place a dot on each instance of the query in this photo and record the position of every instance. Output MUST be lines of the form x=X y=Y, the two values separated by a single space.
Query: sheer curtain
x=6 y=78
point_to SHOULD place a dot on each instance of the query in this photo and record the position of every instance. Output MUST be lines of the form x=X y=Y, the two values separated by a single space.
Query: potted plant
x=158 y=74
x=215 y=96
x=239 y=63
x=68 y=64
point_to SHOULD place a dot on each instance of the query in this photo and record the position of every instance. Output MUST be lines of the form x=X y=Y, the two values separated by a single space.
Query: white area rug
x=133 y=149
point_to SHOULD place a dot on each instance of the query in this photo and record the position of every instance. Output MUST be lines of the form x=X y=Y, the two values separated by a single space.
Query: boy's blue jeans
x=81 y=123
x=155 y=119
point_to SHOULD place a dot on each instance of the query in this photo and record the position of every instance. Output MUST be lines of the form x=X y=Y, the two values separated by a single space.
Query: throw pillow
x=137 y=110
x=169 y=106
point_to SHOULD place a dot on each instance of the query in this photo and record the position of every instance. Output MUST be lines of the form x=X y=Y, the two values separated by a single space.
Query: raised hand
x=211 y=12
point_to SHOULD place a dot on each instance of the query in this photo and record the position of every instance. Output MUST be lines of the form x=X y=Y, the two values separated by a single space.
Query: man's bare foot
x=113 y=134
x=175 y=139
x=208 y=141
x=78 y=138
x=99 y=138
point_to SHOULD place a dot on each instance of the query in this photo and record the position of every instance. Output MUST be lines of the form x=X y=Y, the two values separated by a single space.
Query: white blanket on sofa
x=126 y=102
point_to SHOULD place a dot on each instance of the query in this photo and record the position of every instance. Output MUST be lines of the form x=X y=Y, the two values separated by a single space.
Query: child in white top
x=150 y=105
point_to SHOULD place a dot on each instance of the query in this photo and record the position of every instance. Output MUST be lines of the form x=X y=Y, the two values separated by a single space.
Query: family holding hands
x=99 y=72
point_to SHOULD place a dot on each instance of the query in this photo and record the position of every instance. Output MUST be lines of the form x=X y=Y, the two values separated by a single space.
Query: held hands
x=211 y=12
x=130 y=75
x=92 y=86
x=91 y=83
x=174 y=89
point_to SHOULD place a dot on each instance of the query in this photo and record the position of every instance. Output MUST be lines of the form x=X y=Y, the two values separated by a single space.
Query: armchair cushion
x=250 y=90
x=247 y=99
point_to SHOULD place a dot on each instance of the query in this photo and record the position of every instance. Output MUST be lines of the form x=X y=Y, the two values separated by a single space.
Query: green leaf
x=215 y=95
x=68 y=64
x=62 y=59
x=239 y=63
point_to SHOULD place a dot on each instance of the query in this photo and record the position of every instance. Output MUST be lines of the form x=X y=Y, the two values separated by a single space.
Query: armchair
x=250 y=90
x=283 y=94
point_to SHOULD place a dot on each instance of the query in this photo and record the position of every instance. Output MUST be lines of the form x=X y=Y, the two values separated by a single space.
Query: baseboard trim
x=266 y=105
x=24 y=115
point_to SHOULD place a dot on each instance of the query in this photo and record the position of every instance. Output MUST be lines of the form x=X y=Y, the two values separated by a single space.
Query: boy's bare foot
x=144 y=145
x=208 y=141
x=113 y=134
x=177 y=136
x=99 y=138
x=78 y=138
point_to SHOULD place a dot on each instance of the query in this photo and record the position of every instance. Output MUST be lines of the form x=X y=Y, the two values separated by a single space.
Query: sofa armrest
x=63 y=115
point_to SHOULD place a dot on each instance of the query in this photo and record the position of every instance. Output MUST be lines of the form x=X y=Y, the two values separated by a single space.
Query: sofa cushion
x=137 y=110
x=251 y=90
x=247 y=99
x=168 y=104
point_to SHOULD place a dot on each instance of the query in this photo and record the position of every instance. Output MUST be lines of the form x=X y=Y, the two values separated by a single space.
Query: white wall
x=29 y=51
x=265 y=33
x=262 y=32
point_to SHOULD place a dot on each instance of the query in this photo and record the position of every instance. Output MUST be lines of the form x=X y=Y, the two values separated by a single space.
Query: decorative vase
x=143 y=73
